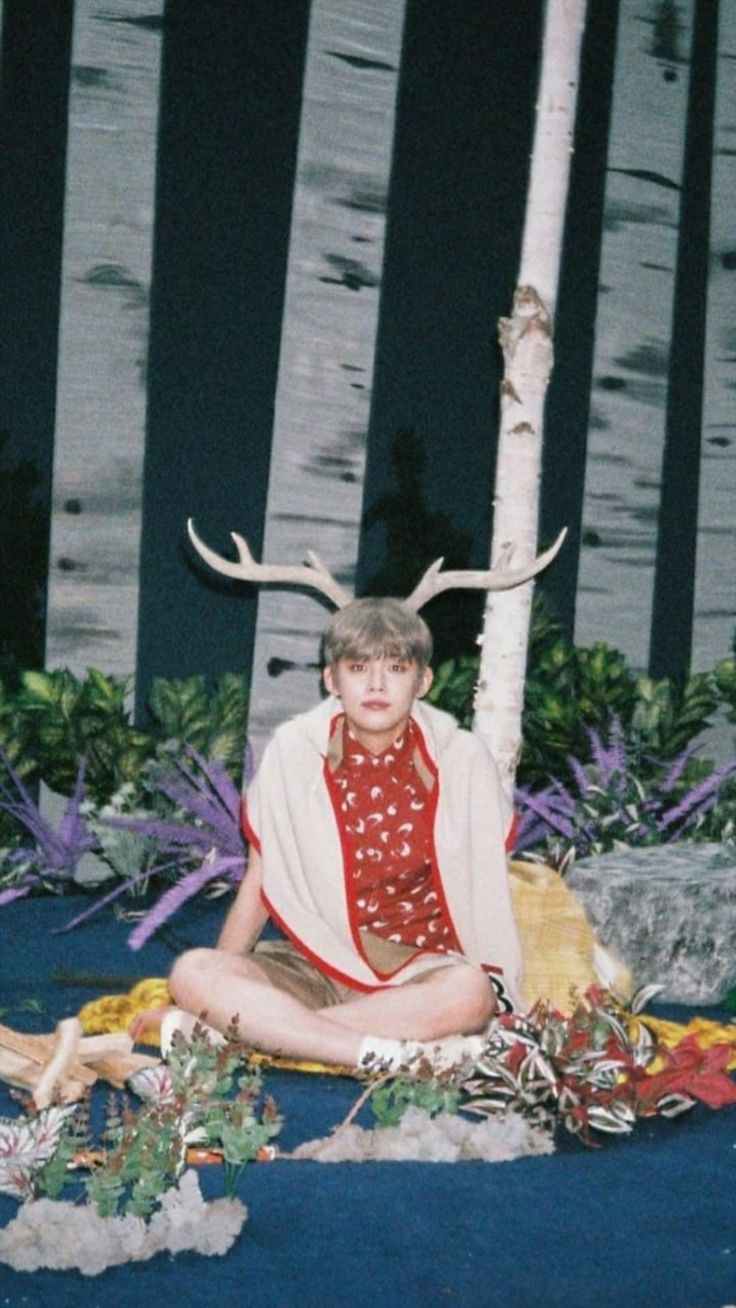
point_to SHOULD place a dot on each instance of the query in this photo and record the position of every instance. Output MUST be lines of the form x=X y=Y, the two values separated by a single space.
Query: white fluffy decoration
x=446 y=1138
x=49 y=1233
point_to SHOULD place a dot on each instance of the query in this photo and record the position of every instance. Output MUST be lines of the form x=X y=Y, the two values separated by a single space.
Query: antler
x=313 y=573
x=502 y=577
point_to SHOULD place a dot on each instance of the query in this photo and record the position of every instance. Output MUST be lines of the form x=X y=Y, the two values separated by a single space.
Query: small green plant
x=54 y=1175
x=453 y=687
x=57 y=719
x=669 y=715
x=569 y=690
x=390 y=1101
x=203 y=1094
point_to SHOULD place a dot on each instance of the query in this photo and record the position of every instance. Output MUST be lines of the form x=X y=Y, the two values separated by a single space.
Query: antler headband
x=314 y=574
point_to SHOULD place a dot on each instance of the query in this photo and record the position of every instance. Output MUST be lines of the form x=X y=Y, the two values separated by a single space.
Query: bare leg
x=454 y=1000
x=223 y=986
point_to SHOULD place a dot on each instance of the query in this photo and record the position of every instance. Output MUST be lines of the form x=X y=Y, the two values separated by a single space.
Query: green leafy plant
x=390 y=1101
x=59 y=718
x=203 y=1094
x=210 y=721
x=571 y=690
x=53 y=1176
x=669 y=715
x=724 y=675
x=453 y=687
x=145 y=1155
x=56 y=718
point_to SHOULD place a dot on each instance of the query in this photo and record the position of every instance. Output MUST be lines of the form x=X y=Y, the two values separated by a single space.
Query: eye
x=357 y=667
x=399 y=667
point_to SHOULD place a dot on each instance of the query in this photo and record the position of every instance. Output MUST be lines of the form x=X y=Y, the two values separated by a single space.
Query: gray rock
x=669 y=912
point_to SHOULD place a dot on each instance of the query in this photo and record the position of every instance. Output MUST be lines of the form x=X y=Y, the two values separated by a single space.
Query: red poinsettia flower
x=699 y=1073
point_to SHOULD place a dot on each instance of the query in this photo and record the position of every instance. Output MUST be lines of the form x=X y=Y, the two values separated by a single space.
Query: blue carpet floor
x=643 y=1222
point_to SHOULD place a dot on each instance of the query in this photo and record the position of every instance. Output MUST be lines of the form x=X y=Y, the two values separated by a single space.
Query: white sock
x=379 y=1054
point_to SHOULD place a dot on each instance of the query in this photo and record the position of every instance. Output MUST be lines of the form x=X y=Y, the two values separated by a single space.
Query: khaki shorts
x=288 y=970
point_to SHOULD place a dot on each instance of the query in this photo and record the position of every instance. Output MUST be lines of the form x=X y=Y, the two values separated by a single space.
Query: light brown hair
x=378 y=628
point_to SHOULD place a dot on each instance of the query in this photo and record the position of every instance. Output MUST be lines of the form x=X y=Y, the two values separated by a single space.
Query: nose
x=377 y=674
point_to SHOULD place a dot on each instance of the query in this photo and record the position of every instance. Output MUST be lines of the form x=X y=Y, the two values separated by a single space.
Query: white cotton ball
x=55 y=1234
x=185 y=1221
x=446 y=1138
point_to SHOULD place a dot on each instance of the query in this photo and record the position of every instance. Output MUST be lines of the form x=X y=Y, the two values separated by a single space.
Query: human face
x=377 y=695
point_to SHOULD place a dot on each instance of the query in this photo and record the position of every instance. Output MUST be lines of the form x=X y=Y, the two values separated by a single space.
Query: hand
x=146 y=1025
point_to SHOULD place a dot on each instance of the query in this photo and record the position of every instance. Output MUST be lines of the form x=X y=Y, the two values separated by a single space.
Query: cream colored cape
x=290 y=816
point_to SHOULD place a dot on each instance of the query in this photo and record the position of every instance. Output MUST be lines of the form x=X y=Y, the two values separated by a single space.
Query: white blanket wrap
x=290 y=814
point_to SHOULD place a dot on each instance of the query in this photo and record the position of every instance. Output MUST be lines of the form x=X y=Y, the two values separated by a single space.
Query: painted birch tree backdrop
x=103 y=339
x=243 y=247
x=325 y=377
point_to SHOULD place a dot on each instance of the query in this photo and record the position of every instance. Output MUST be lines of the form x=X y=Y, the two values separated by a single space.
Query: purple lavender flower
x=554 y=807
x=231 y=868
x=610 y=759
x=202 y=846
x=207 y=793
x=612 y=805
x=55 y=854
x=697 y=801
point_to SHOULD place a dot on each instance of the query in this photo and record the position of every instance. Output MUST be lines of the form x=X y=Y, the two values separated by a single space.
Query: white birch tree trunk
x=526 y=340
x=103 y=339
x=328 y=336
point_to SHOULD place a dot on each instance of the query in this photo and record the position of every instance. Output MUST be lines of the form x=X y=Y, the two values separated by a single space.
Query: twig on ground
x=312 y=1148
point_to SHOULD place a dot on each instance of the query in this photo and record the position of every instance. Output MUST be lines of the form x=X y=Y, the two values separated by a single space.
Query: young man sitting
x=377 y=844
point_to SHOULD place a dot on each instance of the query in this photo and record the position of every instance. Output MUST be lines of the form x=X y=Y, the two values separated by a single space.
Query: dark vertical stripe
x=674 y=581
x=231 y=94
x=567 y=411
x=34 y=93
x=456 y=205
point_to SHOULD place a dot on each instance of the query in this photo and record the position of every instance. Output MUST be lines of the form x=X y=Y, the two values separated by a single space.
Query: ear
x=424 y=683
x=329 y=679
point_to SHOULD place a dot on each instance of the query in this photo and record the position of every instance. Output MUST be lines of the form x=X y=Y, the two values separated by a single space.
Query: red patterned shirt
x=383 y=808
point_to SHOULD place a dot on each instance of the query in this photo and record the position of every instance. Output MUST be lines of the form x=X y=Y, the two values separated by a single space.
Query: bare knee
x=202 y=978
x=191 y=979
x=474 y=997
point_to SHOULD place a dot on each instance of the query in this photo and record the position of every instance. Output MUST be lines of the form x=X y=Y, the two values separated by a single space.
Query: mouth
x=376 y=704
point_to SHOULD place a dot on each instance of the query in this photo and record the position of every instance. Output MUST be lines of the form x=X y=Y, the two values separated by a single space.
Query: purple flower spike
x=185 y=889
x=614 y=807
x=696 y=800
x=57 y=853
x=205 y=792
x=16 y=892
